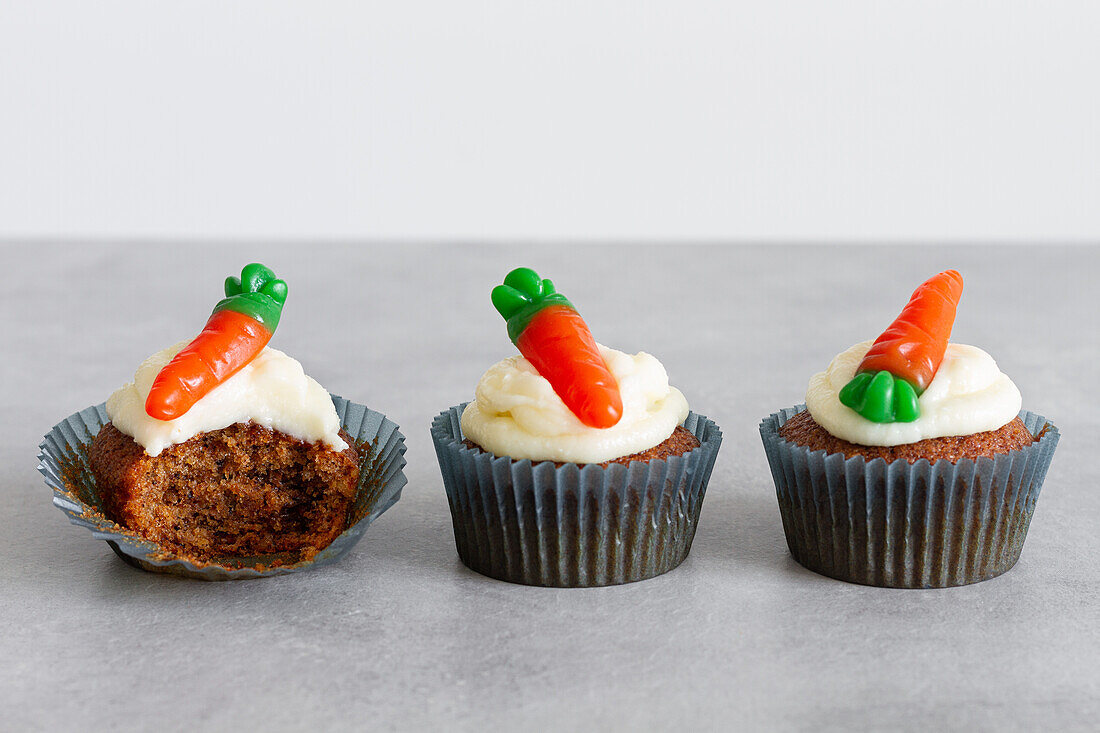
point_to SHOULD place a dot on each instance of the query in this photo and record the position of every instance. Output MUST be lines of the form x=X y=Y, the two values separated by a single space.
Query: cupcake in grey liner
x=63 y=462
x=576 y=465
x=906 y=525
x=911 y=464
x=222 y=458
x=569 y=525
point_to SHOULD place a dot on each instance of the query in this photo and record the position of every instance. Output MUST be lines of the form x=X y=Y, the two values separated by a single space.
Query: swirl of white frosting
x=968 y=395
x=272 y=390
x=518 y=414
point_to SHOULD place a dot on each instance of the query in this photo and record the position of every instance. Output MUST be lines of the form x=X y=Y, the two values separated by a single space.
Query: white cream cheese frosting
x=968 y=395
x=272 y=390
x=517 y=413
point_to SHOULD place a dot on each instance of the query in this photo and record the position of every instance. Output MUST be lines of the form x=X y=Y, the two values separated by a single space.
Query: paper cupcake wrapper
x=63 y=461
x=902 y=525
x=572 y=526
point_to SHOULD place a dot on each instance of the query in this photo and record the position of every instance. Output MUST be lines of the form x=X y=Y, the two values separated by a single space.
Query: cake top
x=903 y=360
x=227 y=375
x=517 y=413
x=238 y=329
x=968 y=395
x=271 y=390
x=911 y=384
x=567 y=398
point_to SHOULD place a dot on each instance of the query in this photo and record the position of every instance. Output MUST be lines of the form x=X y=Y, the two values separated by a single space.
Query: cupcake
x=575 y=465
x=911 y=464
x=222 y=449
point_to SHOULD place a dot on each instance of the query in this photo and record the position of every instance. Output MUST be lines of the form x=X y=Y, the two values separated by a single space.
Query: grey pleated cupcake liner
x=63 y=461
x=902 y=525
x=572 y=526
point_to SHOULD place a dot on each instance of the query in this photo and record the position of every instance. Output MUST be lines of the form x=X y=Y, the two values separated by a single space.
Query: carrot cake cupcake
x=576 y=464
x=912 y=464
x=223 y=447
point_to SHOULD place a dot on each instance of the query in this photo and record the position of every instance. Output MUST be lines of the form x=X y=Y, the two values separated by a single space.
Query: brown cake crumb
x=680 y=442
x=243 y=490
x=803 y=430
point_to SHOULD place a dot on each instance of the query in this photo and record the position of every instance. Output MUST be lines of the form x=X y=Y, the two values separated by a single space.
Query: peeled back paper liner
x=63 y=461
x=571 y=525
x=903 y=525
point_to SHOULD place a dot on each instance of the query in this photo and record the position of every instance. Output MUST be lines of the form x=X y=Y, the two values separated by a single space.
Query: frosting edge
x=968 y=395
x=272 y=390
x=517 y=414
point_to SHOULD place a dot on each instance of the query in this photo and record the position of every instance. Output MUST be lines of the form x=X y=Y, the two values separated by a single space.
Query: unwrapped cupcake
x=222 y=458
x=576 y=465
x=912 y=464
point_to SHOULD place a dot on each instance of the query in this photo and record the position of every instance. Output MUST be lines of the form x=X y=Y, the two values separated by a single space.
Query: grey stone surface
x=401 y=636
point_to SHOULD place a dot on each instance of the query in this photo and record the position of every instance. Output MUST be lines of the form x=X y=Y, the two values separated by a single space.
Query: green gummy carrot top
x=256 y=293
x=903 y=361
x=238 y=329
x=549 y=332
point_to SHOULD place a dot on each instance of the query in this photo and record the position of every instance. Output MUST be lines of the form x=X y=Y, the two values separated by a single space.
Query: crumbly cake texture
x=680 y=442
x=804 y=431
x=240 y=491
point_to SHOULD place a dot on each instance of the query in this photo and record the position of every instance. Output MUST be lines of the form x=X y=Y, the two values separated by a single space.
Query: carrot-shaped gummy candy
x=904 y=359
x=237 y=330
x=547 y=329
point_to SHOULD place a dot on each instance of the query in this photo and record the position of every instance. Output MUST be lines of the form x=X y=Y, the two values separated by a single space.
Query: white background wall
x=813 y=120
